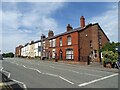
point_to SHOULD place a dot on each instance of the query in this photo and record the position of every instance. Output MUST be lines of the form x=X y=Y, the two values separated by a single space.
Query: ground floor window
x=69 y=54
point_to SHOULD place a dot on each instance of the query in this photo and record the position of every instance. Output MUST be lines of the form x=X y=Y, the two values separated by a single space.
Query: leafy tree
x=110 y=47
x=10 y=54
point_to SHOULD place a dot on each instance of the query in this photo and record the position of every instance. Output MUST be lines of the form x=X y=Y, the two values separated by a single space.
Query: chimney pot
x=69 y=28
x=82 y=21
x=50 y=33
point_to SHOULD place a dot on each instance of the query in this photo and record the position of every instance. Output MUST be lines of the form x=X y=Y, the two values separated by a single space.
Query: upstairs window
x=69 y=40
x=54 y=42
x=60 y=41
x=50 y=43
x=91 y=44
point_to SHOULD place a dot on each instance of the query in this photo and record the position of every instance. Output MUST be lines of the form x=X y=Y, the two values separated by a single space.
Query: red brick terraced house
x=18 y=51
x=77 y=44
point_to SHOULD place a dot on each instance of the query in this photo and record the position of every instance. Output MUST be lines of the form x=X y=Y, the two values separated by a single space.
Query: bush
x=110 y=57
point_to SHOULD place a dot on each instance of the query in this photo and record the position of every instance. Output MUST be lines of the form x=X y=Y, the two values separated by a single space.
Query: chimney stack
x=69 y=28
x=82 y=21
x=50 y=33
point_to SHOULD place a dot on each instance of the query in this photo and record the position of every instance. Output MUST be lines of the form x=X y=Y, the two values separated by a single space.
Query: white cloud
x=20 y=27
x=109 y=23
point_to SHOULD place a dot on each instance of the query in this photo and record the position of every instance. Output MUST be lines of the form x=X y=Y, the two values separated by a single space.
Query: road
x=47 y=74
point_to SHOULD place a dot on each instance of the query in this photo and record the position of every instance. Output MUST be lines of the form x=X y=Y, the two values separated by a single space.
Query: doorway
x=61 y=55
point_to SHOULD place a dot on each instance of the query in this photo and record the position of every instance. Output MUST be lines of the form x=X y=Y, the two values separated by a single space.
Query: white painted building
x=23 y=51
x=31 y=50
x=53 y=44
x=37 y=48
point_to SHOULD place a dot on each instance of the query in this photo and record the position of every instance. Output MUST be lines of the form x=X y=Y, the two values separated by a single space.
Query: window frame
x=69 y=40
x=60 y=42
x=69 y=54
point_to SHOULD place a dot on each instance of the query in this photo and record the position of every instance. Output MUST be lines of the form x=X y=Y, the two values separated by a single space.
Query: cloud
x=108 y=22
x=22 y=25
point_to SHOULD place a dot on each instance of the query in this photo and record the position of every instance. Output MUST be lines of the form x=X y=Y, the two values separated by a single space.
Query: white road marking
x=38 y=71
x=66 y=80
x=31 y=68
x=60 y=77
x=96 y=80
x=1 y=69
x=52 y=74
x=25 y=87
x=7 y=72
x=24 y=66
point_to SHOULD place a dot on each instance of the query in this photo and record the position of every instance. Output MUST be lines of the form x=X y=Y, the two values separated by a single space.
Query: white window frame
x=69 y=54
x=54 y=42
x=69 y=40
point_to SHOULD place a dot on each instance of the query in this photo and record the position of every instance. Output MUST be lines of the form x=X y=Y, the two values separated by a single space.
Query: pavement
x=48 y=74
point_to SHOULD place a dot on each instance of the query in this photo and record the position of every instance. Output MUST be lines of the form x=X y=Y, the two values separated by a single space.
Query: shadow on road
x=9 y=84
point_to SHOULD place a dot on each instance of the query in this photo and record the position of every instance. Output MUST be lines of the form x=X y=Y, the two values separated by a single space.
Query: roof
x=37 y=41
x=73 y=30
x=101 y=30
x=79 y=29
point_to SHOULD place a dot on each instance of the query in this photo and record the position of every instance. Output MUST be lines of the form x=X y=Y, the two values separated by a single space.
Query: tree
x=110 y=47
x=10 y=54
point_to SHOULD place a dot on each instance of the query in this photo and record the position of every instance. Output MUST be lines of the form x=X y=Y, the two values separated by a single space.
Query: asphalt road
x=46 y=74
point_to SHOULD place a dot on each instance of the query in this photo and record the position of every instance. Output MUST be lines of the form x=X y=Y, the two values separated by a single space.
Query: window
x=54 y=42
x=50 y=43
x=69 y=40
x=100 y=41
x=69 y=54
x=91 y=43
x=95 y=51
x=60 y=41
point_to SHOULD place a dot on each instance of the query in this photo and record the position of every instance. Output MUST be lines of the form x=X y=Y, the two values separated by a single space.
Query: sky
x=22 y=22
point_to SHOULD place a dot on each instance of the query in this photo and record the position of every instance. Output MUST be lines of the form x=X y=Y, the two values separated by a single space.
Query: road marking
x=25 y=87
x=38 y=71
x=66 y=80
x=59 y=77
x=7 y=72
x=31 y=68
x=24 y=66
x=52 y=74
x=96 y=80
x=1 y=69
